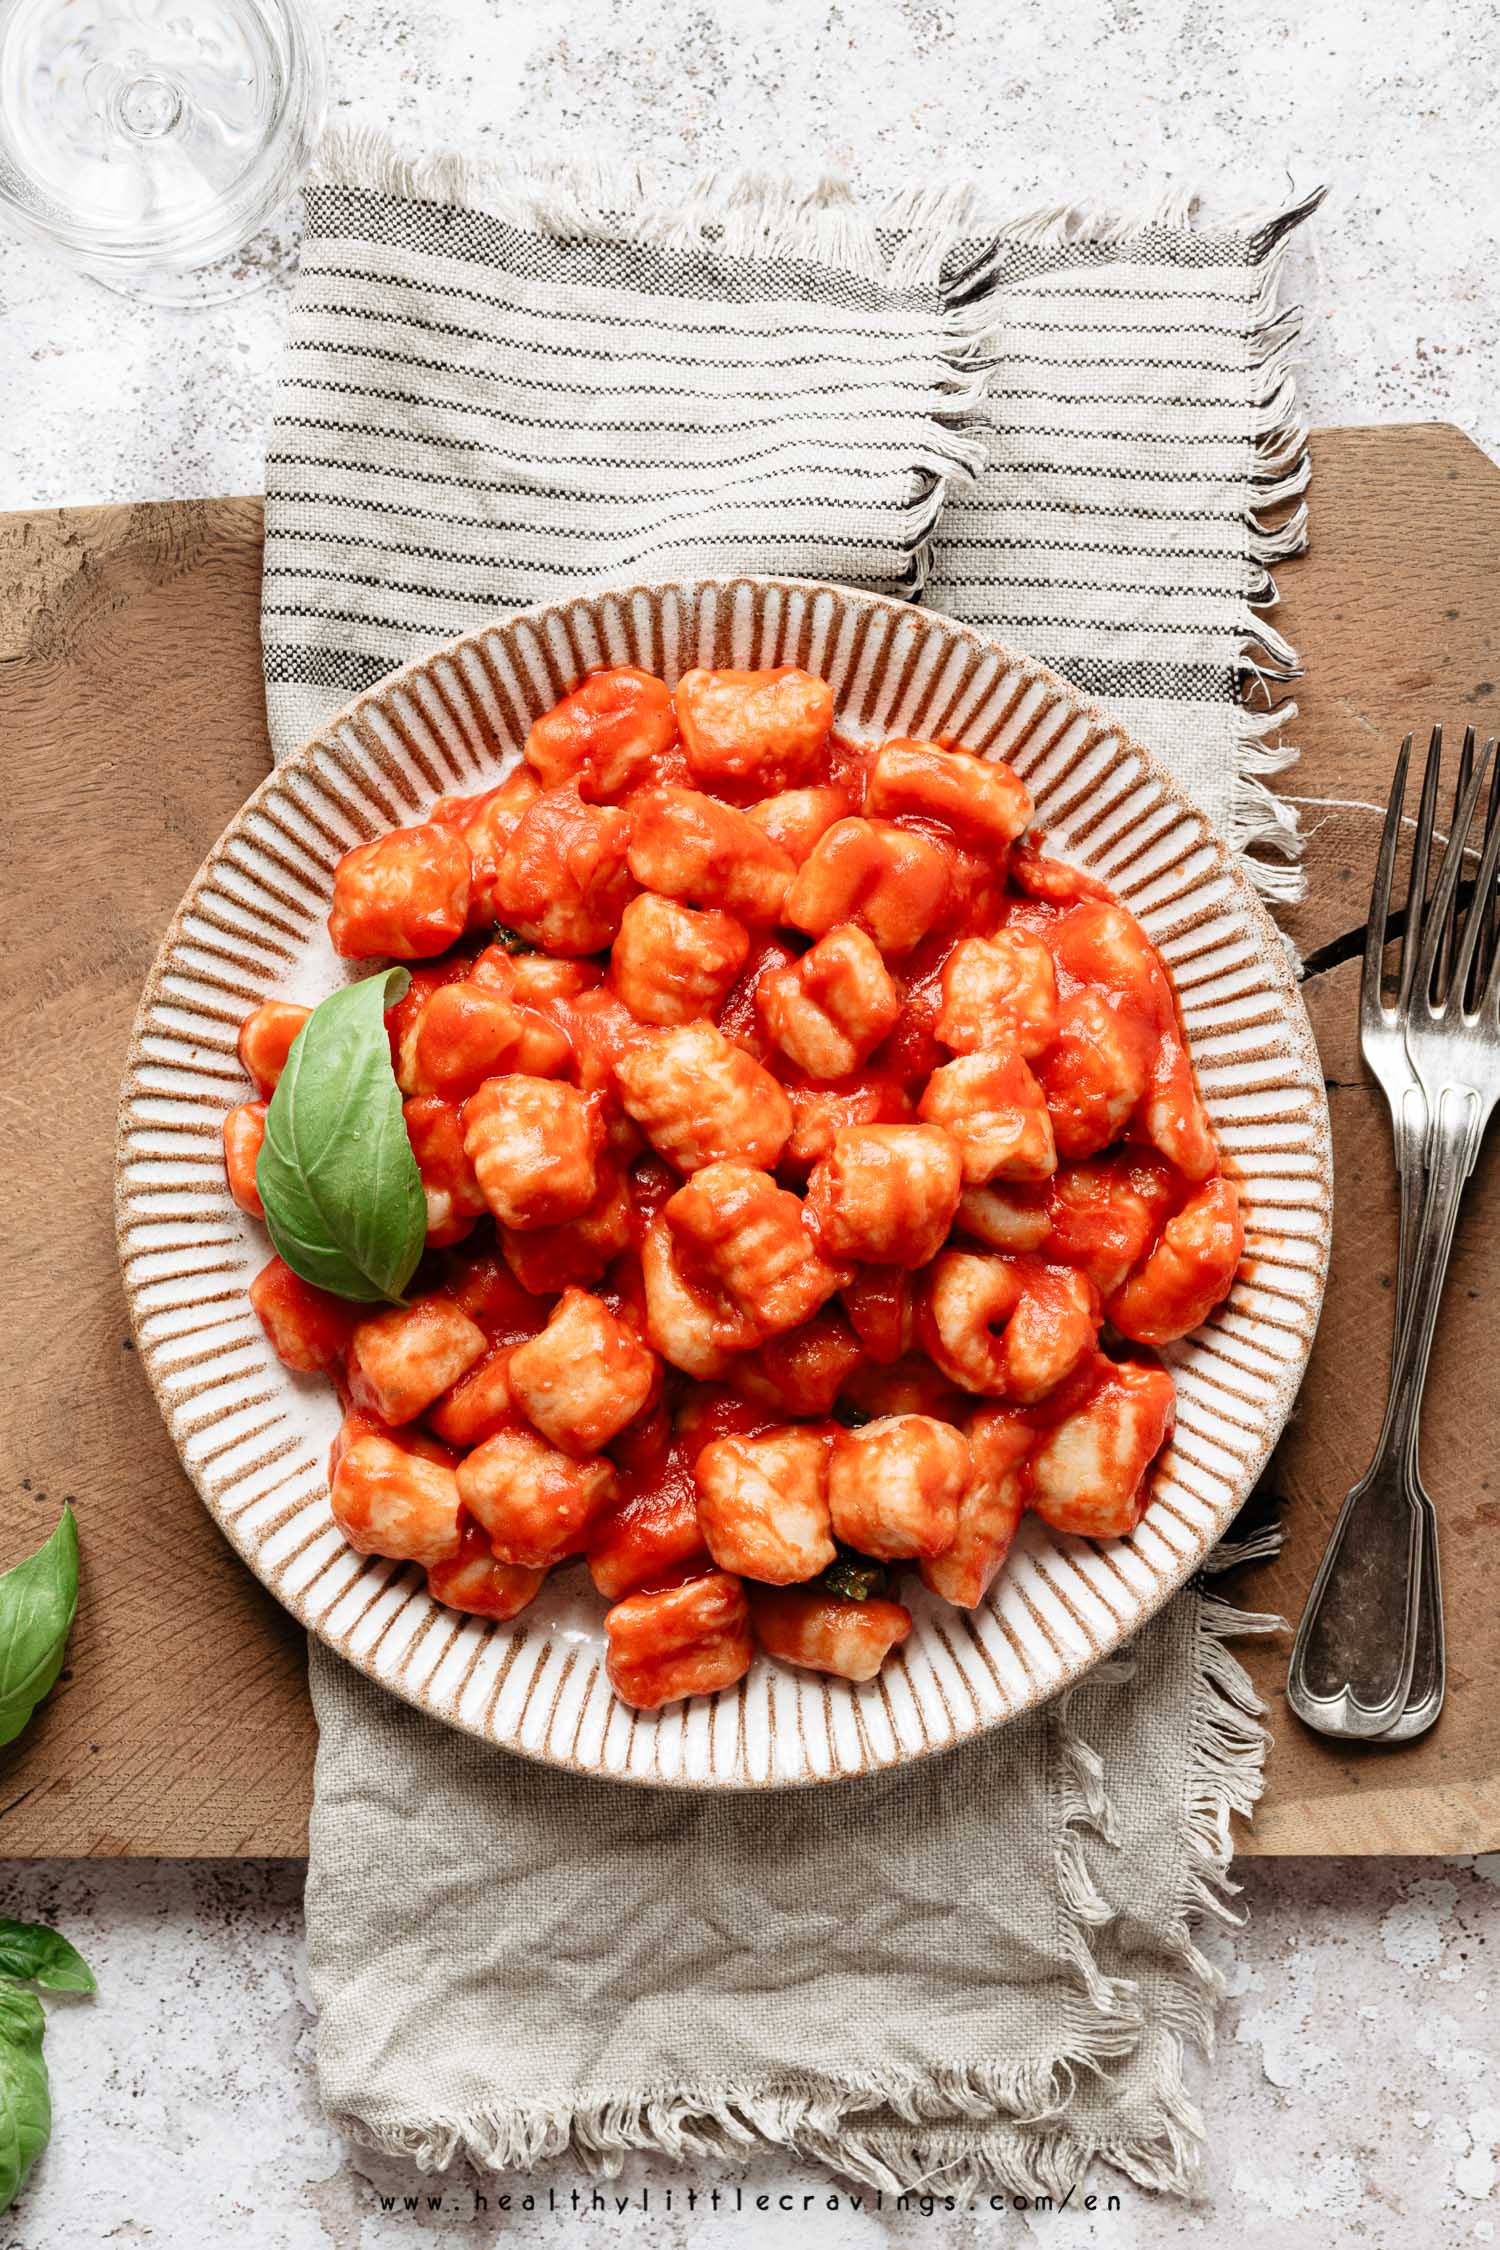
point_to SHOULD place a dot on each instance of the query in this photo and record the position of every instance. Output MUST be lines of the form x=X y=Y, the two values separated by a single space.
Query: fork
x=1391 y=1064
x=1367 y=1660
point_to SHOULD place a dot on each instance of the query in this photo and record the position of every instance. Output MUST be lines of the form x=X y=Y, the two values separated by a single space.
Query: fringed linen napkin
x=980 y=1969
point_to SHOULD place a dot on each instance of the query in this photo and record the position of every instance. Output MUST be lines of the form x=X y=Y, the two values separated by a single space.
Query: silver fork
x=1383 y=1044
x=1424 y=1699
x=1367 y=1660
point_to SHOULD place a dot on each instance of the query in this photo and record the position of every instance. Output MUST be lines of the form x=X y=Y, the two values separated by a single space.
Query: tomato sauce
x=1112 y=1196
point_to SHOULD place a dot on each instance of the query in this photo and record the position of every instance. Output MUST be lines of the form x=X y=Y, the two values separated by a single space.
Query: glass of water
x=158 y=144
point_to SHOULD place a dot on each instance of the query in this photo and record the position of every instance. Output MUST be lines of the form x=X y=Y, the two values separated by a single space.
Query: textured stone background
x=1393 y=104
x=1354 y=2100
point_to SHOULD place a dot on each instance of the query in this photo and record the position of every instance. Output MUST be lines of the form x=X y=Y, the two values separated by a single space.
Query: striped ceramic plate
x=255 y=1439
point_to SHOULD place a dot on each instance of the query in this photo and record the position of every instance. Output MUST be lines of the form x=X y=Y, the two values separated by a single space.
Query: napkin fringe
x=898 y=243
x=1225 y=1776
x=1251 y=1546
x=1082 y=1808
x=1258 y=820
x=878 y=2129
x=1227 y=1746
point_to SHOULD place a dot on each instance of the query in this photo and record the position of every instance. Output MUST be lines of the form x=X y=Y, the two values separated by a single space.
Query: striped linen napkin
x=981 y=1969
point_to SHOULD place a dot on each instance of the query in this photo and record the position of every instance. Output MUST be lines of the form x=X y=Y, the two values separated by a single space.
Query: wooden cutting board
x=132 y=726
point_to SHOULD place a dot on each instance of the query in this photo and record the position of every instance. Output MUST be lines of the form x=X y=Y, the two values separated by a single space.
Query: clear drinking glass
x=158 y=144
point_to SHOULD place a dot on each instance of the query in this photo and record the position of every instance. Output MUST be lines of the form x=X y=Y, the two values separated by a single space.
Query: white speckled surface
x=1103 y=100
x=1355 y=2100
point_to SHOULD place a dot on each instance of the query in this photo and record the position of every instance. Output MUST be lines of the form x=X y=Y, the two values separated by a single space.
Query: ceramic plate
x=255 y=1439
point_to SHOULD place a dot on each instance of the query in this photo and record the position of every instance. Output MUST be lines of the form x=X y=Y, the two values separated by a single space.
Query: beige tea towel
x=979 y=1969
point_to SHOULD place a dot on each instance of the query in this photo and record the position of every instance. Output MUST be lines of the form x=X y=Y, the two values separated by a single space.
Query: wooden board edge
x=1459 y=1822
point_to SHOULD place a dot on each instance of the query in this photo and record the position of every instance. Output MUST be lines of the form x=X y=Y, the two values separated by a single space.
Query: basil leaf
x=25 y=2104
x=37 y=1601
x=342 y=1194
x=509 y=940
x=855 y=1578
x=33 y=1954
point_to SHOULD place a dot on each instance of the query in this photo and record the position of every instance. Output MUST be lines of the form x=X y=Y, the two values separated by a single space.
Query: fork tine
x=1436 y=929
x=1421 y=854
x=1380 y=894
x=1488 y=928
x=1443 y=972
x=1484 y=883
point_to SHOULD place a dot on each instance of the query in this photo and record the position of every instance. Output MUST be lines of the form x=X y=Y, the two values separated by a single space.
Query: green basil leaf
x=854 y=1577
x=37 y=1601
x=25 y=2104
x=342 y=1194
x=33 y=1954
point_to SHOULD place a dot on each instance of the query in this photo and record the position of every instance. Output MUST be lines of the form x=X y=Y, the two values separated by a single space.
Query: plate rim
x=1274 y=957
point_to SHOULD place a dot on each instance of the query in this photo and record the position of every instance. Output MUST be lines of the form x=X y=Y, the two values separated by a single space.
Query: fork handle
x=1455 y=1128
x=1353 y=1657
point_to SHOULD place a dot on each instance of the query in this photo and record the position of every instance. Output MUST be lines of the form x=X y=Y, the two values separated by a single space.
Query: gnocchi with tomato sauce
x=813 y=1166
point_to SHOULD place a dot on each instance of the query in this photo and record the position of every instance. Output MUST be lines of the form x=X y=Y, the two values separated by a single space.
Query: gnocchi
x=467 y=1032
x=563 y=879
x=979 y=799
x=829 y=1011
x=584 y=1377
x=401 y=1360
x=886 y=1194
x=449 y=1183
x=892 y=881
x=894 y=1486
x=1087 y=1473
x=1190 y=1270
x=822 y=1633
x=243 y=1132
x=769 y=728
x=534 y=1145
x=265 y=1041
x=405 y=894
x=999 y=992
x=689 y=1323
x=990 y=1507
x=796 y=818
x=650 y=1535
x=671 y=963
x=686 y=845
x=993 y=1109
x=604 y=737
x=789 y=1125
x=536 y=1503
x=474 y=1579
x=681 y=1640
x=763 y=1505
x=751 y=1239
x=308 y=1330
x=1009 y=1327
x=393 y=1495
x=699 y=1099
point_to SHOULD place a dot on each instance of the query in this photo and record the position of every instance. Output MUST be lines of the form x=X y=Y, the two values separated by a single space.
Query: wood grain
x=132 y=712
x=131 y=707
